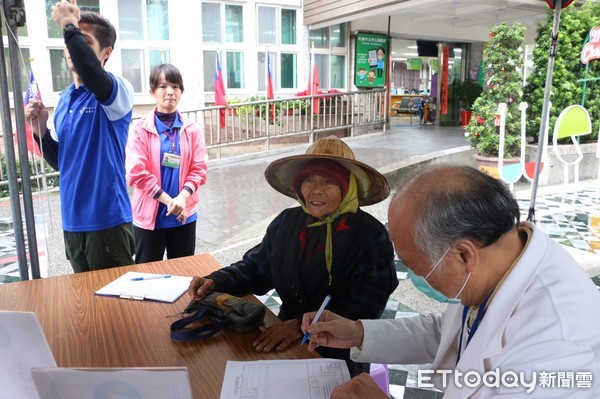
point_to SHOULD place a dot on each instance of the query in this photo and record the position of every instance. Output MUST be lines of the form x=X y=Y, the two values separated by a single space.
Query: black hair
x=104 y=31
x=172 y=75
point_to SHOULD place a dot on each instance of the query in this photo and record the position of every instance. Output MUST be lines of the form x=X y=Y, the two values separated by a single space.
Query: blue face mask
x=423 y=285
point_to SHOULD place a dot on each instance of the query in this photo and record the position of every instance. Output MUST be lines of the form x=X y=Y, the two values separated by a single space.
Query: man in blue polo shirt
x=91 y=123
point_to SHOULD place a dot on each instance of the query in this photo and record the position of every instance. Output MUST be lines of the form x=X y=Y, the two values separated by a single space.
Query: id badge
x=171 y=160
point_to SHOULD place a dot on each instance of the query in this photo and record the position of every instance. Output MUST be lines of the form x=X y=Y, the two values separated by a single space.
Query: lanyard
x=172 y=135
x=480 y=314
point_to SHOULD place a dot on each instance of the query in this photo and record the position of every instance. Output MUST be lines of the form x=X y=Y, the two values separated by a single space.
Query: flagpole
x=43 y=187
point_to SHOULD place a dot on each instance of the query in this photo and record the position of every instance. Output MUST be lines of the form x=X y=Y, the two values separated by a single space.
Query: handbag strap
x=179 y=333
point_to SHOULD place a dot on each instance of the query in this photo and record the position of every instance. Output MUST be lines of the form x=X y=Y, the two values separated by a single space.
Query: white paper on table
x=22 y=346
x=160 y=289
x=113 y=383
x=290 y=379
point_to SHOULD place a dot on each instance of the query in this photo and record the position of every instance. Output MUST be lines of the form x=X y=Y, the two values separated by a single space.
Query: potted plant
x=502 y=60
x=465 y=94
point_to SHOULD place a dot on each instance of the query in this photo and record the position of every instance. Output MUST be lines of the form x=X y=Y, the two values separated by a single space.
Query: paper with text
x=22 y=346
x=160 y=289
x=113 y=383
x=290 y=379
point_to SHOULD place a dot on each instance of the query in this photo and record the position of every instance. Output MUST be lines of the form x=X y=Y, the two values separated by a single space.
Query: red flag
x=33 y=91
x=220 y=93
x=270 y=95
x=313 y=82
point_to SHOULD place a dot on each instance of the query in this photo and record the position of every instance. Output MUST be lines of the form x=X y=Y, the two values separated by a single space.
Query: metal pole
x=13 y=188
x=16 y=17
x=388 y=76
x=545 y=107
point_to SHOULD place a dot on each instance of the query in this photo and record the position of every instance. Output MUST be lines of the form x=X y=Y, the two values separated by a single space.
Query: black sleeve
x=49 y=148
x=88 y=66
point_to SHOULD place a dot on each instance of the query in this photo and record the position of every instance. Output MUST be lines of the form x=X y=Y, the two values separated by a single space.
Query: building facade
x=189 y=34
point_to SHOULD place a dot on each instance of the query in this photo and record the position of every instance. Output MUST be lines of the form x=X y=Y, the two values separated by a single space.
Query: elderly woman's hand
x=278 y=337
x=200 y=287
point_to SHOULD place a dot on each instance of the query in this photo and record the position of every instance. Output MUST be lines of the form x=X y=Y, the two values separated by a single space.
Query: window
x=158 y=57
x=210 y=62
x=132 y=63
x=235 y=70
x=211 y=23
x=158 y=19
x=234 y=23
x=320 y=37
x=61 y=75
x=262 y=71
x=322 y=61
x=144 y=35
x=338 y=35
x=267 y=25
x=288 y=71
x=331 y=43
x=24 y=70
x=131 y=25
x=288 y=26
x=276 y=26
x=131 y=20
x=338 y=71
x=55 y=31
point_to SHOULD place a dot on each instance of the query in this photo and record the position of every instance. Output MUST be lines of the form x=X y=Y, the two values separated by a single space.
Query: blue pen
x=317 y=317
x=150 y=277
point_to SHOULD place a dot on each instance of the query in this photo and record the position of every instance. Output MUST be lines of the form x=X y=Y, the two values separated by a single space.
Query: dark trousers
x=102 y=249
x=150 y=245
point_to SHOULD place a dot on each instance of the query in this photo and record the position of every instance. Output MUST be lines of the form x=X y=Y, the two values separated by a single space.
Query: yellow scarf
x=349 y=204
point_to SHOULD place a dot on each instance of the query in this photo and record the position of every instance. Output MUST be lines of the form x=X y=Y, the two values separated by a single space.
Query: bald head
x=444 y=203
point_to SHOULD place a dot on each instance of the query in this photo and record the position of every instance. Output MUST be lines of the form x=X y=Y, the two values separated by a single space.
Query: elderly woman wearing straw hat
x=326 y=246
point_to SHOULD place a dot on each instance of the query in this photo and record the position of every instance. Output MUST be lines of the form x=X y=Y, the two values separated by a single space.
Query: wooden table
x=86 y=330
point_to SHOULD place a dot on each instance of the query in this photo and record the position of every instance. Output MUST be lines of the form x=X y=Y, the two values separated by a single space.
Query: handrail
x=251 y=127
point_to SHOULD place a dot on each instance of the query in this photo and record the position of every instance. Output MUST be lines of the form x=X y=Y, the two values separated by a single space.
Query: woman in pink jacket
x=166 y=164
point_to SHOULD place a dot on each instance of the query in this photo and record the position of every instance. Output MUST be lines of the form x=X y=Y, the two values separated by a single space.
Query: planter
x=465 y=117
x=489 y=165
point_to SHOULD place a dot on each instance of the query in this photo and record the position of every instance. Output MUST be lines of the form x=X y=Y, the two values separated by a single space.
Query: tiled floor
x=9 y=268
x=572 y=217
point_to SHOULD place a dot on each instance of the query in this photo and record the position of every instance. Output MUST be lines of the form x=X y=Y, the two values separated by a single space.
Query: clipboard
x=155 y=289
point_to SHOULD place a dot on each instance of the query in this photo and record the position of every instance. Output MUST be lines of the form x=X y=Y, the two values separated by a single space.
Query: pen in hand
x=150 y=277
x=317 y=317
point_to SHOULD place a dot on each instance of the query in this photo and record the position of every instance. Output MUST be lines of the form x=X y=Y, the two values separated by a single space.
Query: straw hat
x=372 y=185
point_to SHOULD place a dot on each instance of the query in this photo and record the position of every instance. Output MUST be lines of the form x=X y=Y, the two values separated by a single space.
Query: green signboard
x=370 y=61
x=414 y=64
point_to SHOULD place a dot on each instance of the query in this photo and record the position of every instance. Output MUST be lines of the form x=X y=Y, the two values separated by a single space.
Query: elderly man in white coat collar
x=522 y=319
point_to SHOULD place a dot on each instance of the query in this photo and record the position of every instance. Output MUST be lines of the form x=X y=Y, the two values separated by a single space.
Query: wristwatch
x=69 y=28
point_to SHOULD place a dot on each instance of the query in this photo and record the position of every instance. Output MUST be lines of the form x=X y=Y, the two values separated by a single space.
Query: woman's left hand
x=177 y=208
x=278 y=337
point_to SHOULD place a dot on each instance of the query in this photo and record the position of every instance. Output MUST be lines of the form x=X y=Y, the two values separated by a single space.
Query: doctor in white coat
x=523 y=319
